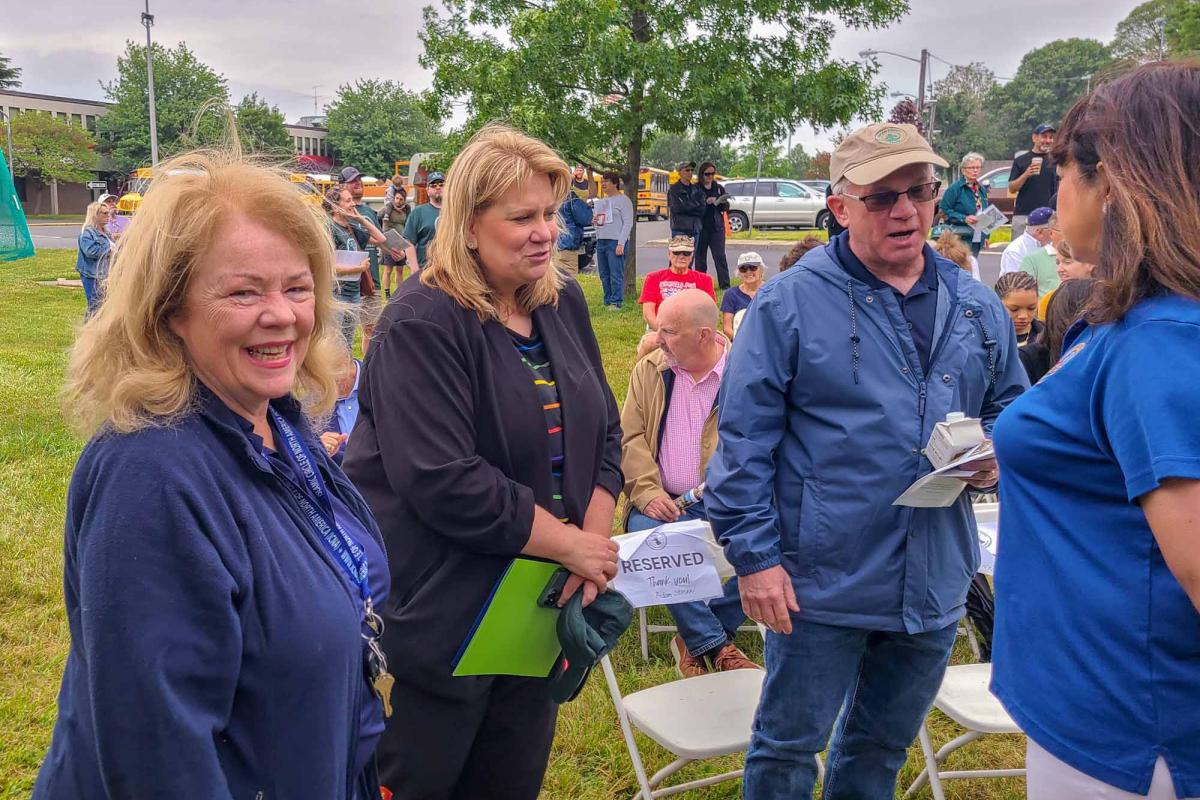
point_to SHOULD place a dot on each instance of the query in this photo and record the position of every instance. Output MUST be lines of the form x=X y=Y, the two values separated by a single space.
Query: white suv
x=781 y=203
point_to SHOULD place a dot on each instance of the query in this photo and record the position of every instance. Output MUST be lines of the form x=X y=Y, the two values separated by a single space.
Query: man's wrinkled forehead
x=899 y=181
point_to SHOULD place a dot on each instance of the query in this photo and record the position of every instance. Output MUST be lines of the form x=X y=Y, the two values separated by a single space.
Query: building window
x=77 y=120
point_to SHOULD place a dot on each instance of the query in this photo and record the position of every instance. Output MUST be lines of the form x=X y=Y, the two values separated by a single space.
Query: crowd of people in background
x=329 y=550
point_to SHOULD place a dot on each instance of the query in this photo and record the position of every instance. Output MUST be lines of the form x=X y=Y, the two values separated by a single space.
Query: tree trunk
x=632 y=184
x=640 y=28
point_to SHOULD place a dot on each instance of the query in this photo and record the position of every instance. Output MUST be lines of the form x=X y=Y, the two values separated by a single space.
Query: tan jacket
x=642 y=417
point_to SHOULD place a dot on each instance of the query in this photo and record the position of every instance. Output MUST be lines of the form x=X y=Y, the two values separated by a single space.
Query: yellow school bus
x=652 y=193
x=653 y=184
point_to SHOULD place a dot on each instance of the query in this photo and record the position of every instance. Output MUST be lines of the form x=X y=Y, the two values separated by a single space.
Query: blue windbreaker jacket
x=825 y=412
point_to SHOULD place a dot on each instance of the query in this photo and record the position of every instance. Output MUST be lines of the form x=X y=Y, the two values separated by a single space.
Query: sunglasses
x=682 y=253
x=748 y=268
x=883 y=201
x=709 y=174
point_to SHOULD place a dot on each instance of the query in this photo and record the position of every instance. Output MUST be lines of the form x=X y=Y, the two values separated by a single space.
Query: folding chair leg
x=627 y=731
x=930 y=772
x=643 y=634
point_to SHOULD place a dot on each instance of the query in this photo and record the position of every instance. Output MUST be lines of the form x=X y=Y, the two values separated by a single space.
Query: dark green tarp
x=15 y=241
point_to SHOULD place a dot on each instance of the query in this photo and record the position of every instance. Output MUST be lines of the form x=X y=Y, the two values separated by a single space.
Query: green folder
x=513 y=635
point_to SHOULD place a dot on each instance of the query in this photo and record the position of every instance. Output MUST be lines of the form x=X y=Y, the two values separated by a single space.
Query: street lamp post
x=148 y=21
x=923 y=62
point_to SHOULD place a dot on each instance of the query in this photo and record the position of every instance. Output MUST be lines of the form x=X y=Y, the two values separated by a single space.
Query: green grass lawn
x=55 y=218
x=999 y=236
x=38 y=452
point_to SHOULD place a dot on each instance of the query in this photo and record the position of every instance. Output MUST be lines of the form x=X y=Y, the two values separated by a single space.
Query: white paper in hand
x=677 y=562
x=942 y=487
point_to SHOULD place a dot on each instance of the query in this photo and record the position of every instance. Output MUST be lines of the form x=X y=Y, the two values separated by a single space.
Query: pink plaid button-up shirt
x=689 y=405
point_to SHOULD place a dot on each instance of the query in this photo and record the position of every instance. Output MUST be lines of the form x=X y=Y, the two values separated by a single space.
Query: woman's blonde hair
x=89 y=216
x=127 y=368
x=948 y=245
x=496 y=159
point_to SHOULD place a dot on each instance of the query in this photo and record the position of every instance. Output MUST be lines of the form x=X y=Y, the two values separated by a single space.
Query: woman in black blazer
x=486 y=430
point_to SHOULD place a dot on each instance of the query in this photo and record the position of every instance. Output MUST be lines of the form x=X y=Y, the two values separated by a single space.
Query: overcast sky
x=283 y=50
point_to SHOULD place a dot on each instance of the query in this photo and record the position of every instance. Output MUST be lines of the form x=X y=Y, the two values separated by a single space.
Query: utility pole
x=148 y=21
x=920 y=84
x=754 y=200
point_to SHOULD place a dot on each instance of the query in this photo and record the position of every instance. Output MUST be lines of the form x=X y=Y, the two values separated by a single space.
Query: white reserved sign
x=677 y=562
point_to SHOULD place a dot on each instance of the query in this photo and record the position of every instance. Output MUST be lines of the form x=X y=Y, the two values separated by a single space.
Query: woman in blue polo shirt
x=1097 y=646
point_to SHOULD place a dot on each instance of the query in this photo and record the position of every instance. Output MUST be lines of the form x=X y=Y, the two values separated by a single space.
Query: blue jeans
x=883 y=683
x=704 y=625
x=350 y=293
x=612 y=271
x=91 y=293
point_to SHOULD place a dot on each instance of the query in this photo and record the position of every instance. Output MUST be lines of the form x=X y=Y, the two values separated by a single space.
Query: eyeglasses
x=709 y=174
x=748 y=268
x=681 y=254
x=883 y=201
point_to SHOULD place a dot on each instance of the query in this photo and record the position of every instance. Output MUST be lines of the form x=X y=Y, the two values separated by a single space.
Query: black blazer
x=451 y=453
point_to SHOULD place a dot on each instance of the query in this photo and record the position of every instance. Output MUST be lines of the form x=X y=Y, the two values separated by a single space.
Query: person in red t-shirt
x=679 y=276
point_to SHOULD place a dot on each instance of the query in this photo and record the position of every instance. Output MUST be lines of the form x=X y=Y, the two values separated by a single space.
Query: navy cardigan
x=215 y=645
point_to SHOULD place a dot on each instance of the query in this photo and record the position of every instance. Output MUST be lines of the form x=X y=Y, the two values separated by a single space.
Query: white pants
x=1050 y=779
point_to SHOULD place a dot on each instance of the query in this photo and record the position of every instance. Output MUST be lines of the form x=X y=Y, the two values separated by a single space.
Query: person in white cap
x=833 y=387
x=737 y=299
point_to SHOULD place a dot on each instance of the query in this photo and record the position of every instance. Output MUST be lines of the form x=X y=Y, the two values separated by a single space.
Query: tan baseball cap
x=681 y=244
x=876 y=151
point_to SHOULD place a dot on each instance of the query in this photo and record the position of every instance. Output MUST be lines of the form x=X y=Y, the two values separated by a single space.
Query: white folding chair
x=693 y=718
x=965 y=698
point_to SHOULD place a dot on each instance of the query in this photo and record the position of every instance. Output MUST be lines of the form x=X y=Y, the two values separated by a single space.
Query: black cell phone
x=554 y=589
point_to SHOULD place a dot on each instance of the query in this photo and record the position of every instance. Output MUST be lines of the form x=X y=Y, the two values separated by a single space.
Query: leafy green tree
x=373 y=124
x=774 y=163
x=10 y=76
x=1142 y=35
x=1183 y=28
x=261 y=126
x=49 y=149
x=1048 y=82
x=960 y=120
x=798 y=161
x=667 y=150
x=184 y=87
x=592 y=77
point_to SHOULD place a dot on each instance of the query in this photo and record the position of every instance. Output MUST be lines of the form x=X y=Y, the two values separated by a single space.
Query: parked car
x=820 y=185
x=996 y=183
x=781 y=204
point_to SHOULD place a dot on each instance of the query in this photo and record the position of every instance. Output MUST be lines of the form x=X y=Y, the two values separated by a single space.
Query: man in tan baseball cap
x=883 y=194
x=837 y=376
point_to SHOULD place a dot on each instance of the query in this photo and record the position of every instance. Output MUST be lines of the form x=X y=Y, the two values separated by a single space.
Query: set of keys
x=381 y=680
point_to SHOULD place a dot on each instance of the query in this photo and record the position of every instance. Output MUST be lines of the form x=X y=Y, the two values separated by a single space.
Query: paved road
x=654 y=256
x=649 y=256
x=55 y=236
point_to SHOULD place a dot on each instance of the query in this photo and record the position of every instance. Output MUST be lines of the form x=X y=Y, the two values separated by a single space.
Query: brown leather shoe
x=686 y=664
x=730 y=657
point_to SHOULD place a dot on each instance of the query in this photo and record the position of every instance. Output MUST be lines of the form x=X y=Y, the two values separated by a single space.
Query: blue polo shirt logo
x=1066 y=357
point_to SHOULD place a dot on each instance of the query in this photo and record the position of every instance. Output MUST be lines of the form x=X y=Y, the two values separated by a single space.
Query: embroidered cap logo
x=890 y=136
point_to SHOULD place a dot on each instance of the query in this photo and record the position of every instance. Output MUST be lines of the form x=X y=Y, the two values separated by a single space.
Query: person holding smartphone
x=351 y=231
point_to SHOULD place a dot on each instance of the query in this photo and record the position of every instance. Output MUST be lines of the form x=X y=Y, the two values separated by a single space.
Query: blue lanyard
x=315 y=503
